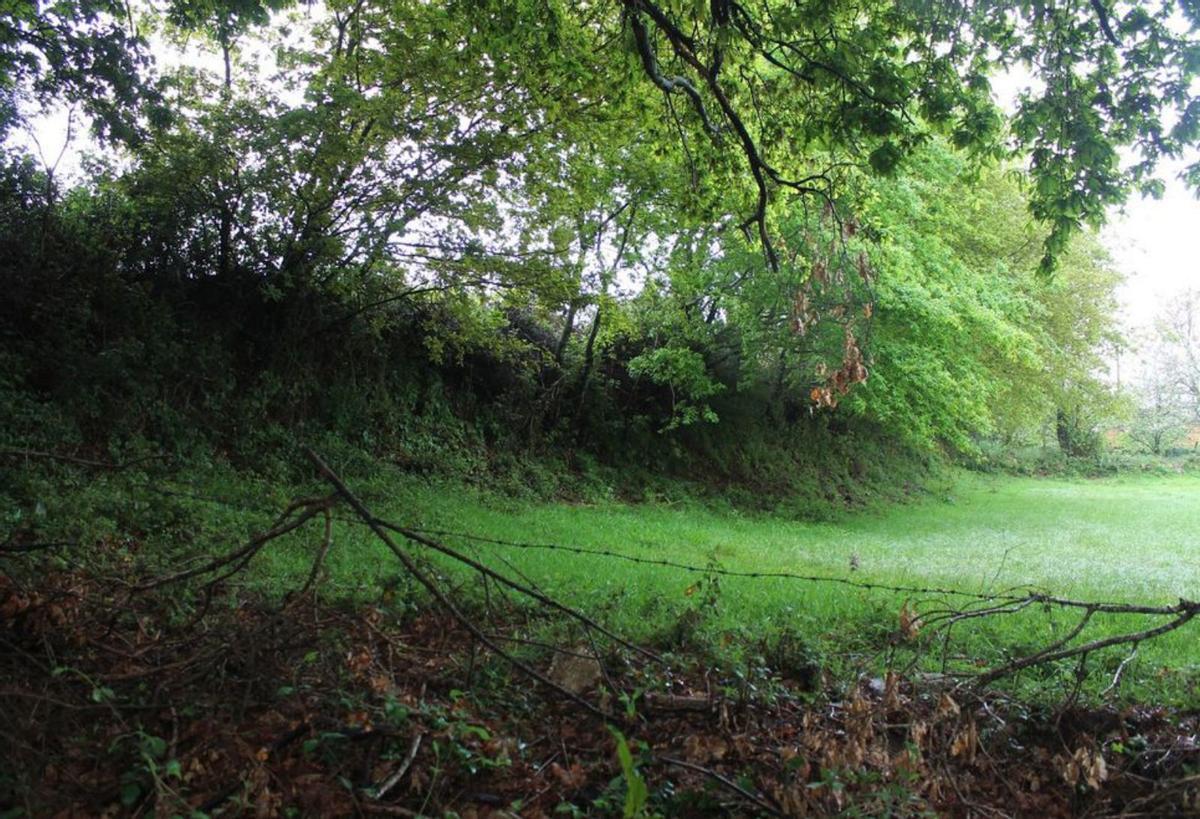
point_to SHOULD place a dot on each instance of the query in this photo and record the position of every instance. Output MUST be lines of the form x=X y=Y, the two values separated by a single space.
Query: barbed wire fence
x=422 y=553
x=944 y=607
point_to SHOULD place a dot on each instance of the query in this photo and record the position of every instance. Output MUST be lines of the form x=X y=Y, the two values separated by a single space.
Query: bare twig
x=724 y=781
x=1120 y=672
x=9 y=452
x=436 y=591
x=417 y=537
x=284 y=524
x=392 y=780
x=1045 y=656
x=320 y=559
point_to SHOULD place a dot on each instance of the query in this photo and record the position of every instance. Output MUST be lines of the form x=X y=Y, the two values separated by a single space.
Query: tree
x=799 y=202
x=790 y=84
x=1178 y=344
x=1160 y=420
x=1079 y=326
x=969 y=340
x=77 y=53
x=1164 y=388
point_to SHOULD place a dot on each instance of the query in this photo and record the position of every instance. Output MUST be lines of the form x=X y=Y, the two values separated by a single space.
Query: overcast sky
x=1157 y=245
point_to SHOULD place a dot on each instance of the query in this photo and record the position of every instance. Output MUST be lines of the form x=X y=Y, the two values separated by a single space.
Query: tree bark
x=589 y=357
x=568 y=327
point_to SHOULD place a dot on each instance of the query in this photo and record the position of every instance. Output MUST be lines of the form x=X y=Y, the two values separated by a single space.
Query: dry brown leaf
x=700 y=748
x=947 y=707
x=910 y=622
x=571 y=778
x=918 y=732
x=358 y=661
x=966 y=742
x=891 y=692
x=1085 y=767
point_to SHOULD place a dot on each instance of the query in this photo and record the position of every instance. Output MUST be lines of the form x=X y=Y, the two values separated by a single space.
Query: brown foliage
x=261 y=710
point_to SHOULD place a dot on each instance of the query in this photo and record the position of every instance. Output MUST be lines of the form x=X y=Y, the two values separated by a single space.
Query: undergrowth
x=972 y=534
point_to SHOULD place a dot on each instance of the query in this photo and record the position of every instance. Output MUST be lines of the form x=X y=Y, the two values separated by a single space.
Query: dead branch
x=575 y=614
x=238 y=558
x=1049 y=656
x=33 y=454
x=678 y=702
x=392 y=780
x=436 y=591
x=724 y=782
x=320 y=560
x=1120 y=672
x=941 y=621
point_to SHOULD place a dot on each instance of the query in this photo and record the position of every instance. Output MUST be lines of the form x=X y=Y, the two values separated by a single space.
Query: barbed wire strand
x=1008 y=596
x=1016 y=594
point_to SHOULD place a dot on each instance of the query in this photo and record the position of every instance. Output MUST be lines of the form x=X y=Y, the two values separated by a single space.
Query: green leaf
x=636 y=792
x=154 y=747
x=130 y=793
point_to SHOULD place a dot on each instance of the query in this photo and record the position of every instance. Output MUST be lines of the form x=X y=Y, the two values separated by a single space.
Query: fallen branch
x=724 y=782
x=284 y=524
x=438 y=594
x=1047 y=656
x=677 y=702
x=392 y=780
x=940 y=621
x=1120 y=672
x=417 y=537
x=321 y=554
x=9 y=452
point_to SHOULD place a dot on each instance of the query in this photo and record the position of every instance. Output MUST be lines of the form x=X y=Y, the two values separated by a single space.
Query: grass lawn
x=1128 y=539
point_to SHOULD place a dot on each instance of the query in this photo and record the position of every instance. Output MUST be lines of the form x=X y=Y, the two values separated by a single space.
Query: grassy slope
x=1122 y=539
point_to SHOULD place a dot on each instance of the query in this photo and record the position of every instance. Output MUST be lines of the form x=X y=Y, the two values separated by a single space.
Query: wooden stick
x=436 y=591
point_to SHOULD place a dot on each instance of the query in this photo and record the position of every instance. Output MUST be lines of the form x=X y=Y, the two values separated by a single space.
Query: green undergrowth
x=1130 y=539
x=1051 y=461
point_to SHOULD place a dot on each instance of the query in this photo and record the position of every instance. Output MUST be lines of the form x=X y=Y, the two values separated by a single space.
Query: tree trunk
x=1063 y=428
x=588 y=358
x=568 y=326
x=225 y=235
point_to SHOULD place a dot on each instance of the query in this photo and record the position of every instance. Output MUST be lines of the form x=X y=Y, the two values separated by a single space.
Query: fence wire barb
x=1009 y=596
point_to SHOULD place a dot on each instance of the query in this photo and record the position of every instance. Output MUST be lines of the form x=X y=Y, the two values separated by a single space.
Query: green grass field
x=1127 y=539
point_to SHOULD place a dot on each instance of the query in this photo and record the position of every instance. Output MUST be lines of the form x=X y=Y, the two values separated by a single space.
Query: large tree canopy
x=792 y=84
x=765 y=100
x=679 y=200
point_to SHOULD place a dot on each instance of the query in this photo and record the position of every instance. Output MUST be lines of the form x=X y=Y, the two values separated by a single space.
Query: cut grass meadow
x=1131 y=539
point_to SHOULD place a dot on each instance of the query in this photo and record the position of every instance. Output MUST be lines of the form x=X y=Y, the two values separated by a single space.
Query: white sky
x=1151 y=241
x=1156 y=244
